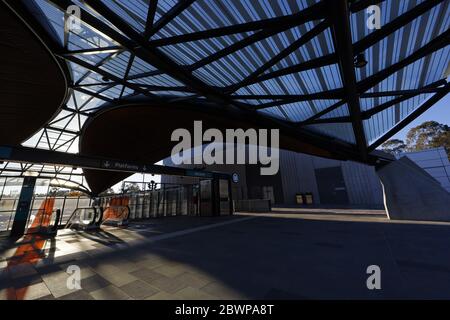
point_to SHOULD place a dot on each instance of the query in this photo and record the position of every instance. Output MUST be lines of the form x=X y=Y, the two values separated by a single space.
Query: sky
x=440 y=112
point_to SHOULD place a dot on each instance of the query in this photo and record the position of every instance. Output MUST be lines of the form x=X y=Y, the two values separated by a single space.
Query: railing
x=43 y=221
x=6 y=219
x=164 y=202
x=67 y=205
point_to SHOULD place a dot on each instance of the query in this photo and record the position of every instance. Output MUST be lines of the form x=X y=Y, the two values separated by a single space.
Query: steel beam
x=437 y=43
x=47 y=157
x=167 y=18
x=304 y=66
x=152 y=6
x=342 y=38
x=261 y=35
x=314 y=12
x=394 y=25
x=307 y=37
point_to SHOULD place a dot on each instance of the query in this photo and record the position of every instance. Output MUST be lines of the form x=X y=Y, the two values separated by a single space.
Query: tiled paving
x=284 y=255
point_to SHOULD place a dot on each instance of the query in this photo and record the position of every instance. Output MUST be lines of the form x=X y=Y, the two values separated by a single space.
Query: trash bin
x=309 y=199
x=299 y=198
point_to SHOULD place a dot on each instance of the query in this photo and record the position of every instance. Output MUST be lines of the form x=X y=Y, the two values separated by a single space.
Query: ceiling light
x=360 y=61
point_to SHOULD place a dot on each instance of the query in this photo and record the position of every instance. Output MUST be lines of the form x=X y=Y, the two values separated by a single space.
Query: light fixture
x=360 y=61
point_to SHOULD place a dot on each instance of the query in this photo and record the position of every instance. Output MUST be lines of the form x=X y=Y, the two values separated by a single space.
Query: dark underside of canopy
x=143 y=133
x=32 y=86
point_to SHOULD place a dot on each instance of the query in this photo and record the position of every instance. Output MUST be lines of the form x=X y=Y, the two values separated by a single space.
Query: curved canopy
x=125 y=133
x=33 y=86
x=313 y=67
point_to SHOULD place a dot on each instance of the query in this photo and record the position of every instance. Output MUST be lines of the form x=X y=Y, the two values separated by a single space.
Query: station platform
x=279 y=255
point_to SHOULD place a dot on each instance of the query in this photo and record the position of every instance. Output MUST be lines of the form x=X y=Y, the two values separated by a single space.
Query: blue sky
x=440 y=112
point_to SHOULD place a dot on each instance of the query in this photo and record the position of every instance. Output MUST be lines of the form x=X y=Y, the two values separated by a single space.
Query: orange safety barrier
x=114 y=210
x=31 y=251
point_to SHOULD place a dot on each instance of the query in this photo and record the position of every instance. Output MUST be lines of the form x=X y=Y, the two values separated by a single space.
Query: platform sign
x=116 y=165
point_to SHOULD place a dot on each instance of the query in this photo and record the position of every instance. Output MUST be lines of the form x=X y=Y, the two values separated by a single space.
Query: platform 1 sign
x=115 y=165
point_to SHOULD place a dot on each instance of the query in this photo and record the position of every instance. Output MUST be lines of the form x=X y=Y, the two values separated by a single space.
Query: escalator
x=92 y=218
x=85 y=219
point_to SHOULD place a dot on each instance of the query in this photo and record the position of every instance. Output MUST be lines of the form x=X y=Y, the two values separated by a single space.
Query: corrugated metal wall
x=298 y=175
x=363 y=185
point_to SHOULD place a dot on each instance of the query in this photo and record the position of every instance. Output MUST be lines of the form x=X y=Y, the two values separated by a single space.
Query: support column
x=410 y=193
x=230 y=196
x=215 y=186
x=23 y=207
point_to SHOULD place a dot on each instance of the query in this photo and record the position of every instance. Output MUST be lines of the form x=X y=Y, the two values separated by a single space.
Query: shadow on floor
x=272 y=257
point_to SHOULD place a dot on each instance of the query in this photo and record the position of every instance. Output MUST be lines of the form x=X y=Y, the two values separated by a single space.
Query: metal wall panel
x=298 y=175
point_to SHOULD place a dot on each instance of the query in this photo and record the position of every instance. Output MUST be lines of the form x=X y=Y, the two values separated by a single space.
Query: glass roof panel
x=390 y=9
x=306 y=82
x=342 y=111
x=54 y=16
x=341 y=131
x=405 y=41
x=275 y=112
x=204 y=14
x=134 y=12
x=319 y=46
x=382 y=122
x=242 y=63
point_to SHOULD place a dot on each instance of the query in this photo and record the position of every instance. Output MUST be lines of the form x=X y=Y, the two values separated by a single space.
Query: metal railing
x=67 y=205
x=6 y=217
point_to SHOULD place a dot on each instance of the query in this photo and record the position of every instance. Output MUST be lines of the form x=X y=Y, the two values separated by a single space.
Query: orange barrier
x=43 y=216
x=114 y=210
x=31 y=251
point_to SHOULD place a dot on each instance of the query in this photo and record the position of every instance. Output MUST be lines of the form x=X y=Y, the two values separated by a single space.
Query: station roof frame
x=292 y=61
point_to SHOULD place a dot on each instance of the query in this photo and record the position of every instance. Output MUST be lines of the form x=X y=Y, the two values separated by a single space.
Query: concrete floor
x=283 y=255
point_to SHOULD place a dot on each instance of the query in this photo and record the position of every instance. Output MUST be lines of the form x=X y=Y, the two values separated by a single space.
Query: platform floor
x=283 y=255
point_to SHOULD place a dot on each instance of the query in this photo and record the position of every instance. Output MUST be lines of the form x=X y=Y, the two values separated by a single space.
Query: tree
x=443 y=140
x=75 y=193
x=394 y=146
x=430 y=134
x=131 y=188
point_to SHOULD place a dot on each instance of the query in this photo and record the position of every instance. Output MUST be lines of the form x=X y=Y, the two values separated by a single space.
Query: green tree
x=394 y=146
x=430 y=134
x=131 y=187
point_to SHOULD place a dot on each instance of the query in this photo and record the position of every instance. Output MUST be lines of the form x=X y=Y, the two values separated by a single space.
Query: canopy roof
x=288 y=60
